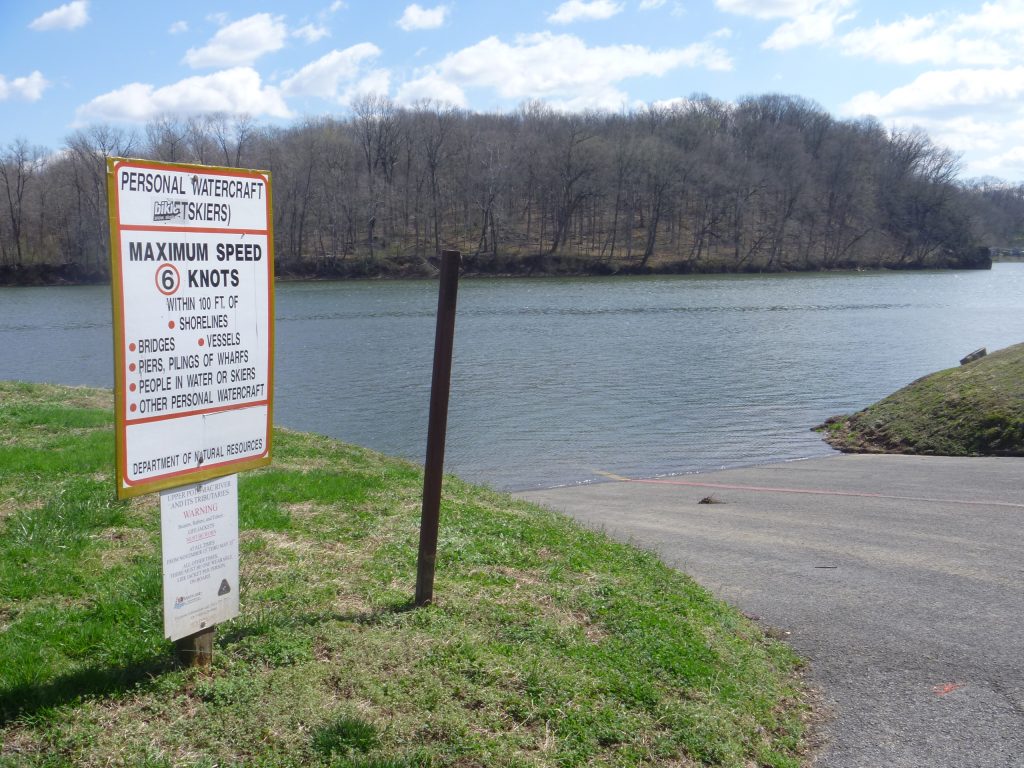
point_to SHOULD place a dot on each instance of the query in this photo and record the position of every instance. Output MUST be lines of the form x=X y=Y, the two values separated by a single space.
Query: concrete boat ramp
x=900 y=579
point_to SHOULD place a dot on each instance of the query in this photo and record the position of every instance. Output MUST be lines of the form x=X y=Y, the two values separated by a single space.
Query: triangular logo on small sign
x=224 y=587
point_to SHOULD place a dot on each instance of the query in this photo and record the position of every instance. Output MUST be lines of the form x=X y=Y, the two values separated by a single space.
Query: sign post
x=437 y=427
x=192 y=269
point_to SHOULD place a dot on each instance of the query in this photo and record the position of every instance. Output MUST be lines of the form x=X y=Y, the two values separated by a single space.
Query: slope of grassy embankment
x=549 y=645
x=976 y=409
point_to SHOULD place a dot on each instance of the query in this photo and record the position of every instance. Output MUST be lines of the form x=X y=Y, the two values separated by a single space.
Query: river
x=558 y=381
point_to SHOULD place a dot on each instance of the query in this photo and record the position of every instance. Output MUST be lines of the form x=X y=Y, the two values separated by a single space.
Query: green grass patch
x=549 y=644
x=974 y=410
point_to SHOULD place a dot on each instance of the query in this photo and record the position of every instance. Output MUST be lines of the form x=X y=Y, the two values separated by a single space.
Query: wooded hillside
x=769 y=183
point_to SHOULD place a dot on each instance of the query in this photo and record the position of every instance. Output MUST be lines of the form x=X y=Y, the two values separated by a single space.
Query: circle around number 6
x=168 y=279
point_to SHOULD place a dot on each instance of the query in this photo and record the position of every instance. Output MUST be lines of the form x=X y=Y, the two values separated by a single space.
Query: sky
x=955 y=69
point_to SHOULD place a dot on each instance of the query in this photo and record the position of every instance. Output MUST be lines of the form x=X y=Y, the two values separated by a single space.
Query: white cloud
x=944 y=91
x=989 y=36
x=608 y=99
x=561 y=69
x=377 y=82
x=236 y=90
x=875 y=42
x=68 y=16
x=769 y=9
x=333 y=74
x=1011 y=159
x=651 y=5
x=417 y=17
x=589 y=10
x=989 y=146
x=973 y=111
x=29 y=88
x=337 y=5
x=178 y=27
x=808 y=29
x=311 y=33
x=928 y=39
x=808 y=22
x=1000 y=17
x=677 y=102
x=973 y=99
x=241 y=42
x=434 y=87
x=963 y=132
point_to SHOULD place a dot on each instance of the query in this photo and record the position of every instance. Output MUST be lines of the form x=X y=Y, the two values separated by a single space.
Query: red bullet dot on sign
x=170 y=324
x=131 y=387
x=201 y=342
x=134 y=408
x=132 y=367
x=131 y=347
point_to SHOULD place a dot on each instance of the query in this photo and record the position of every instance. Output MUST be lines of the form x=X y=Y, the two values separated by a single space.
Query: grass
x=549 y=645
x=976 y=409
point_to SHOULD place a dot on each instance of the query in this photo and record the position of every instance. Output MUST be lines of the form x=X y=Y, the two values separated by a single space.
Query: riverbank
x=549 y=644
x=511 y=265
x=976 y=409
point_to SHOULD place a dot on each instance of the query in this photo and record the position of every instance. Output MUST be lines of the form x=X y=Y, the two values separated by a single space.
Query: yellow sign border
x=125 y=490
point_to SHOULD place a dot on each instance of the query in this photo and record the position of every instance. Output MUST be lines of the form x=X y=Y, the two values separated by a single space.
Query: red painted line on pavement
x=818 y=492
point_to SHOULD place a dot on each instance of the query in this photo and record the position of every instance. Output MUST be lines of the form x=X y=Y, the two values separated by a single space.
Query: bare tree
x=20 y=163
x=86 y=235
x=772 y=182
x=575 y=167
x=167 y=139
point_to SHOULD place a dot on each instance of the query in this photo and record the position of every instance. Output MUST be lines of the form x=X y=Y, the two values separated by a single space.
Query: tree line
x=769 y=183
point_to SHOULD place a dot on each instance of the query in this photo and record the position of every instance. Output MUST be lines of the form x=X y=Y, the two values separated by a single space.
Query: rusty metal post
x=195 y=650
x=440 y=386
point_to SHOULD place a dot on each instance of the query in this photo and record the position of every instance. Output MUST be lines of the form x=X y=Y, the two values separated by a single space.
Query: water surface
x=556 y=381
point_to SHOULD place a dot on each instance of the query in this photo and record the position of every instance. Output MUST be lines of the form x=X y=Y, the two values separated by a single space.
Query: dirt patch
x=148 y=503
x=86 y=397
x=305 y=509
x=13 y=392
x=521 y=577
x=19 y=743
x=286 y=543
x=306 y=464
x=529 y=586
x=124 y=544
x=817 y=717
x=9 y=507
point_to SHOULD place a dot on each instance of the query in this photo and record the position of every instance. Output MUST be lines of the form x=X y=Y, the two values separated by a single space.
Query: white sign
x=192 y=266
x=199 y=532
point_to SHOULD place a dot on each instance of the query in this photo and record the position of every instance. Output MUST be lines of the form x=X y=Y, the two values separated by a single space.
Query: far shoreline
x=52 y=275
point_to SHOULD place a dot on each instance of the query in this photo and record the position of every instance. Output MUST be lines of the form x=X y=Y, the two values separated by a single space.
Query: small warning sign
x=199 y=533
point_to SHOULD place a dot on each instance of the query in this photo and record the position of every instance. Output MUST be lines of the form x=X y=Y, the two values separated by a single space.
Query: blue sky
x=954 y=68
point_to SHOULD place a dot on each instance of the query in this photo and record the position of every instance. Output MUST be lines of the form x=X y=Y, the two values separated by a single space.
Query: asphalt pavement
x=900 y=579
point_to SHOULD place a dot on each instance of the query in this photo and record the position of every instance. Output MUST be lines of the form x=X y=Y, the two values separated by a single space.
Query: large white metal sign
x=199 y=534
x=192 y=280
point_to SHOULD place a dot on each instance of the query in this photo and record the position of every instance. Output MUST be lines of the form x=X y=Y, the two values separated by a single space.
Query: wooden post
x=195 y=650
x=440 y=387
